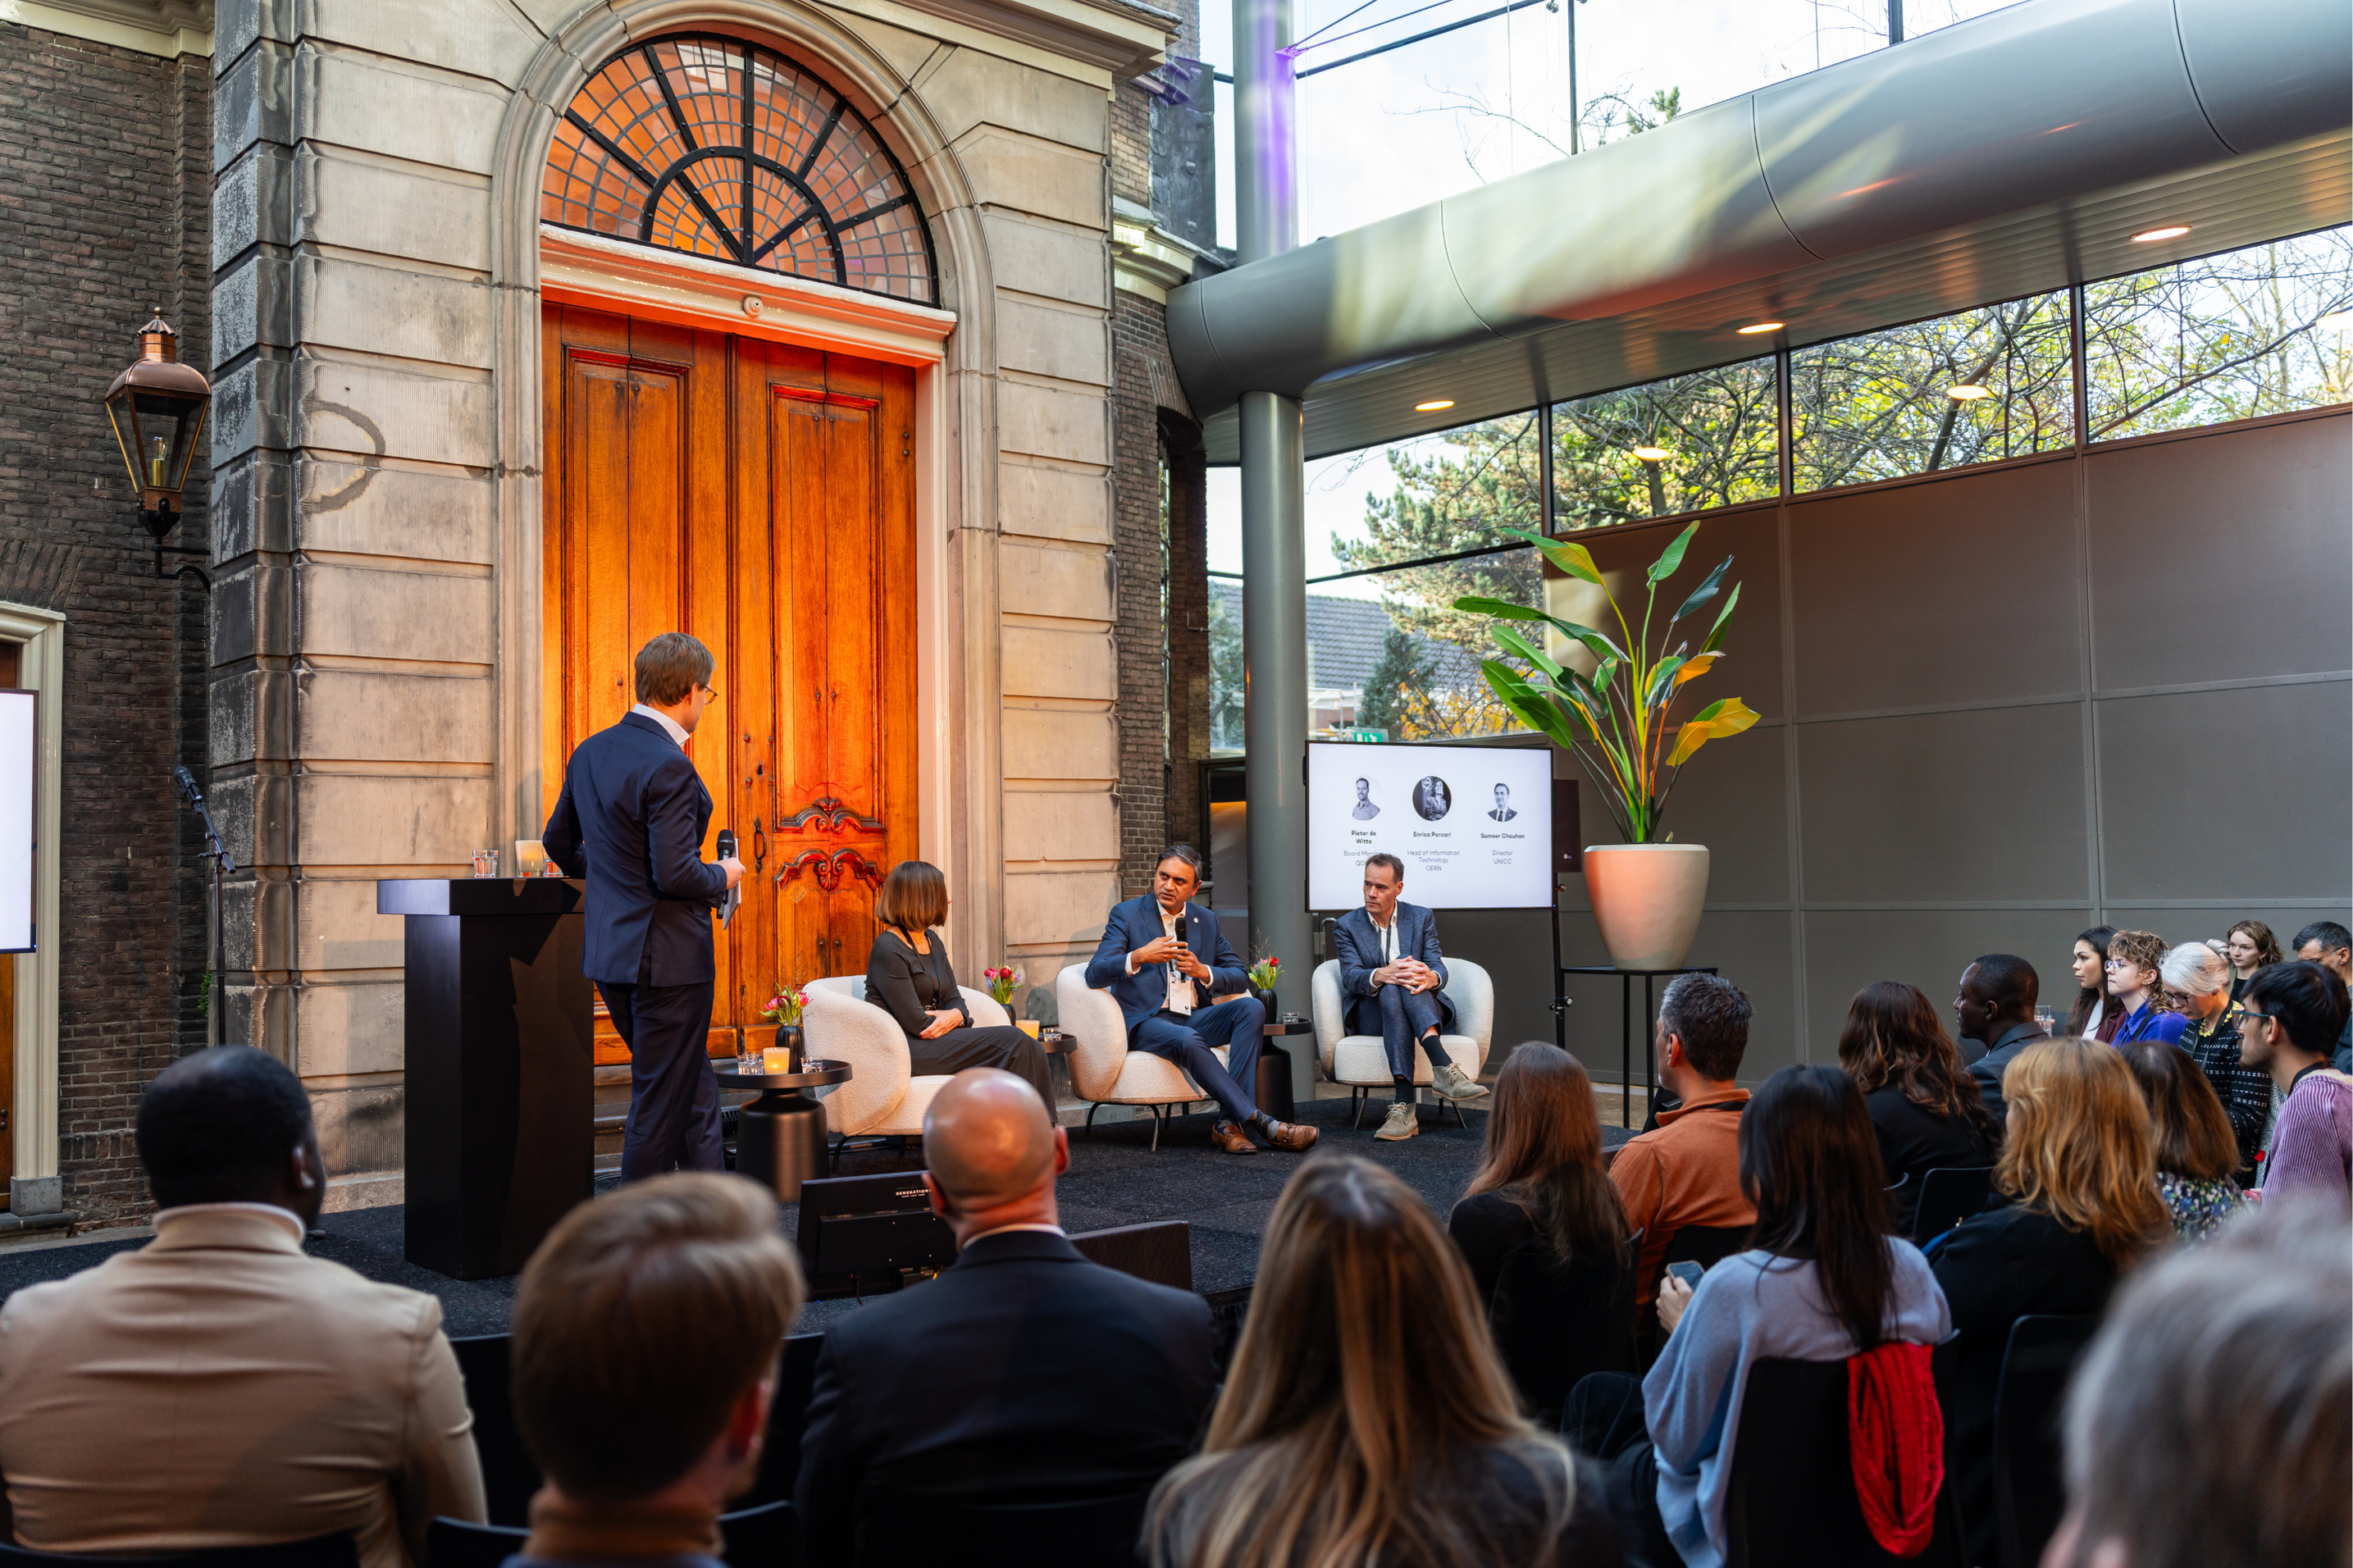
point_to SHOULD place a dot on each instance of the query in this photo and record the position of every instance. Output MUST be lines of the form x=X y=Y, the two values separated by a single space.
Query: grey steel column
x=1274 y=523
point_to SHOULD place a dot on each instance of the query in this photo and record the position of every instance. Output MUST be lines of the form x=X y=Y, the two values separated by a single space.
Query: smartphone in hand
x=1688 y=1273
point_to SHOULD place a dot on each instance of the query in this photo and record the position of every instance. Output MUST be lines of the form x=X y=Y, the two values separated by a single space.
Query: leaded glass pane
x=724 y=149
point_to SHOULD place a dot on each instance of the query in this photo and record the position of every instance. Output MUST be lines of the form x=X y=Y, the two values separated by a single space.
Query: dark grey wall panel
x=1959 y=590
x=1981 y=805
x=1732 y=798
x=1751 y=667
x=1848 y=950
x=2224 y=556
x=2222 y=795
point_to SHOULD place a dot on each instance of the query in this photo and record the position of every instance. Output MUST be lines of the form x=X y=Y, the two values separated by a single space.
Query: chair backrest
x=1159 y=1250
x=767 y=1536
x=510 y=1478
x=841 y=1024
x=851 y=985
x=1553 y=1324
x=780 y=1456
x=2027 y=1494
x=1471 y=991
x=456 y=1543
x=336 y=1550
x=1791 y=1492
x=1324 y=1007
x=1949 y=1194
x=1091 y=1018
x=1092 y=1532
x=1705 y=1245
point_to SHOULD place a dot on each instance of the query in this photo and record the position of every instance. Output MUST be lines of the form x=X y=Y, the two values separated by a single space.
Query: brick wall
x=105 y=217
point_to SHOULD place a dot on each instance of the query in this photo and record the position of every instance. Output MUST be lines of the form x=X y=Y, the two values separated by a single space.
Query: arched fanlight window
x=724 y=149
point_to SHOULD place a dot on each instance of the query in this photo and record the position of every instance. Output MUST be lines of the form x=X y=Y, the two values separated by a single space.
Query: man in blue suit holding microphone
x=1162 y=958
x=632 y=820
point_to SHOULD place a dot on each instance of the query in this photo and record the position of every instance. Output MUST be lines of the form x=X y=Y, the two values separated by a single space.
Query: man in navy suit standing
x=632 y=820
x=1391 y=979
x=1162 y=958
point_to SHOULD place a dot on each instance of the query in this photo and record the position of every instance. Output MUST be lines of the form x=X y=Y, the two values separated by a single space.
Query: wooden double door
x=760 y=497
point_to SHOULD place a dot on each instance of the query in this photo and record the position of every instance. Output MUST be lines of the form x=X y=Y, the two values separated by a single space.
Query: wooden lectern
x=502 y=1088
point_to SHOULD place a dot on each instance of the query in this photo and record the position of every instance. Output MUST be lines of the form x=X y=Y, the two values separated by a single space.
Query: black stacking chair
x=1705 y=1245
x=454 y=1544
x=2029 y=1496
x=509 y=1477
x=1096 y=1532
x=780 y=1454
x=1948 y=1195
x=1791 y=1501
x=336 y=1550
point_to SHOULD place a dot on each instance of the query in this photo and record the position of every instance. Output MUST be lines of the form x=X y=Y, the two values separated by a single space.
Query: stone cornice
x=1125 y=37
x=1146 y=258
x=166 y=28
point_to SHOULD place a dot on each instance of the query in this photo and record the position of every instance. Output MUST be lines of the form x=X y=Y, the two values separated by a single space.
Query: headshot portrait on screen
x=1365 y=809
x=1503 y=812
x=1432 y=799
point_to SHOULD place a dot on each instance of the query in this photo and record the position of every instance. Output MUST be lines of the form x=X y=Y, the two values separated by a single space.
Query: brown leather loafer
x=1231 y=1139
x=1290 y=1137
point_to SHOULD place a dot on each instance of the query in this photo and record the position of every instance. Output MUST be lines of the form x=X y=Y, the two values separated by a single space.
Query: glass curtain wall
x=1684 y=443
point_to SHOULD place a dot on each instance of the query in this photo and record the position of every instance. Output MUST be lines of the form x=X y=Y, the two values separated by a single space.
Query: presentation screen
x=16 y=759
x=1473 y=824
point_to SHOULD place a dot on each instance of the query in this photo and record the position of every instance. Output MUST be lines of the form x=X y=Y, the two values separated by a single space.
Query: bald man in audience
x=1024 y=1372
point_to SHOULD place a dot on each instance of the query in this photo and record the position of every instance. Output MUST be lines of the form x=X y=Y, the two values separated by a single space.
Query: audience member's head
x=1810 y=1162
x=1364 y=1388
x=2191 y=1134
x=229 y=1125
x=1997 y=994
x=994 y=1153
x=1893 y=1035
x=1543 y=1152
x=2211 y=1424
x=913 y=897
x=2196 y=980
x=1703 y=1033
x=2329 y=945
x=2090 y=961
x=647 y=1329
x=2079 y=1147
x=2250 y=945
x=2293 y=1014
x=2134 y=961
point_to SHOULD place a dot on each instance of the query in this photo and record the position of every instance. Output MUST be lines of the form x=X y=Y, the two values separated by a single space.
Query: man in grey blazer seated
x=1391 y=984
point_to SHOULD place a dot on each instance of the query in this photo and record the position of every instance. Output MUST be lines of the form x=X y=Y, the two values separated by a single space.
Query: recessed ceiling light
x=2173 y=232
x=1652 y=454
x=1965 y=393
x=1754 y=328
x=1433 y=405
x=2336 y=320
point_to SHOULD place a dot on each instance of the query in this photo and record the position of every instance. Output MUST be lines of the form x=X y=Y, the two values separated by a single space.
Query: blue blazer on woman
x=2145 y=1023
x=1141 y=995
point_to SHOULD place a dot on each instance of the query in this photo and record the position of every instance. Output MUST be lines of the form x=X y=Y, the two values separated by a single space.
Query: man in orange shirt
x=1687 y=1169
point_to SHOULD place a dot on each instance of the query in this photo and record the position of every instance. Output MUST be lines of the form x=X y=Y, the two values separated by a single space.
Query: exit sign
x=1367 y=736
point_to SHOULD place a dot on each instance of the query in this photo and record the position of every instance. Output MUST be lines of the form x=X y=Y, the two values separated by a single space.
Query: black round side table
x=780 y=1137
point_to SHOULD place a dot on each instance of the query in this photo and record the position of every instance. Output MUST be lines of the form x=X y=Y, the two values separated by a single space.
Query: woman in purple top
x=2133 y=958
x=2291 y=1019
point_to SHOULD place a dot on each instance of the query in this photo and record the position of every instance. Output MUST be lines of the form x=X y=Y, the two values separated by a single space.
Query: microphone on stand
x=735 y=894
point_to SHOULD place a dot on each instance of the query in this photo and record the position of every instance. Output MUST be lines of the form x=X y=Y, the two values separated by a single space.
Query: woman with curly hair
x=2075 y=1204
x=2134 y=959
x=2251 y=946
x=1925 y=1107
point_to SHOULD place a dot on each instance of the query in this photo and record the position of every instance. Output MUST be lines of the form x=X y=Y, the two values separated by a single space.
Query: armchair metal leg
x=1091 y=1108
x=1156 y=1128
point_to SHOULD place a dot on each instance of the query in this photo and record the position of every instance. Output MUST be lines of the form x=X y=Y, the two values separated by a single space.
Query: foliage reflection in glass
x=1718 y=431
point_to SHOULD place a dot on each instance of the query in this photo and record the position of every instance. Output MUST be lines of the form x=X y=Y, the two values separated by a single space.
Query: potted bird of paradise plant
x=1619 y=722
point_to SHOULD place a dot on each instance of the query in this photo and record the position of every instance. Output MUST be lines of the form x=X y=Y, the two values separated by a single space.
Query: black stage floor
x=1115 y=1178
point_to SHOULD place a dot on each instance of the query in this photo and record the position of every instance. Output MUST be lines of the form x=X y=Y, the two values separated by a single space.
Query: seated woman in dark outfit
x=908 y=976
x=1925 y=1107
x=1545 y=1233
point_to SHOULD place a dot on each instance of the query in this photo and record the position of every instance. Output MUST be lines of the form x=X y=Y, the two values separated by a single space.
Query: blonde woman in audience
x=2249 y=947
x=2075 y=1204
x=2134 y=961
x=2198 y=986
x=2196 y=1156
x=1367 y=1419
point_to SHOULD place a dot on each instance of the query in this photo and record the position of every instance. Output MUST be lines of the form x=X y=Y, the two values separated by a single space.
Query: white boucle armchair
x=883 y=1097
x=1103 y=1071
x=1361 y=1061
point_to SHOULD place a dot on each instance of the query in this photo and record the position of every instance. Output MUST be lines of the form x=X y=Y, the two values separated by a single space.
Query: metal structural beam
x=1275 y=511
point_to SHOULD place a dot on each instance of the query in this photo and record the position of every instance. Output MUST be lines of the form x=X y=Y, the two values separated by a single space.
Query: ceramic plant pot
x=1647 y=900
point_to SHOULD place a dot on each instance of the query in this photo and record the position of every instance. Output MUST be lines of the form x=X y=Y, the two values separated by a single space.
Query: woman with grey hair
x=2196 y=982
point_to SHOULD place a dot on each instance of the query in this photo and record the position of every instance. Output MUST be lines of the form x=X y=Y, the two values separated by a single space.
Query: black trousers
x=989 y=1046
x=673 y=1099
x=1604 y=1419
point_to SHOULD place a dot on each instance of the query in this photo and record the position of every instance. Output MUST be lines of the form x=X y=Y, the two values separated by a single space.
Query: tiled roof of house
x=1344 y=638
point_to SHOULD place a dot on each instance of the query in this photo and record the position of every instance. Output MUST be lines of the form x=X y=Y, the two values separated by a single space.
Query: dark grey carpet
x=1115 y=1179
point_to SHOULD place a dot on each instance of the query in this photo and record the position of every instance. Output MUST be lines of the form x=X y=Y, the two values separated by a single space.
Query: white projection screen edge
x=1473 y=824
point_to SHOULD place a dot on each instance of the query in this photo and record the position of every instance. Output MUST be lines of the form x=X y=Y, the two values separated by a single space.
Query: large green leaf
x=1533 y=708
x=1661 y=680
x=1723 y=617
x=1566 y=555
x=1705 y=591
x=1527 y=650
x=1505 y=610
x=1671 y=558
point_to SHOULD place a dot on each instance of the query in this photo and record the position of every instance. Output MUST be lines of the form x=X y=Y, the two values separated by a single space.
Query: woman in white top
x=2097 y=1014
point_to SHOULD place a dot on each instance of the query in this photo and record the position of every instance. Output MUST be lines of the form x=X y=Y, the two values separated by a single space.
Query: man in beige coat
x=218 y=1387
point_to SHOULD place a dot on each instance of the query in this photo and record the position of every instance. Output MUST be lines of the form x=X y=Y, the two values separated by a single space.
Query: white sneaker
x=1455 y=1084
x=1404 y=1123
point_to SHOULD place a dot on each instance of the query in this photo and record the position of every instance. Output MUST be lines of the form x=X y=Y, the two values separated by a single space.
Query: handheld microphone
x=734 y=894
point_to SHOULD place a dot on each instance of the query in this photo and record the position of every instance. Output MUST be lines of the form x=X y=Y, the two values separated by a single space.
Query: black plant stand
x=1626 y=1023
